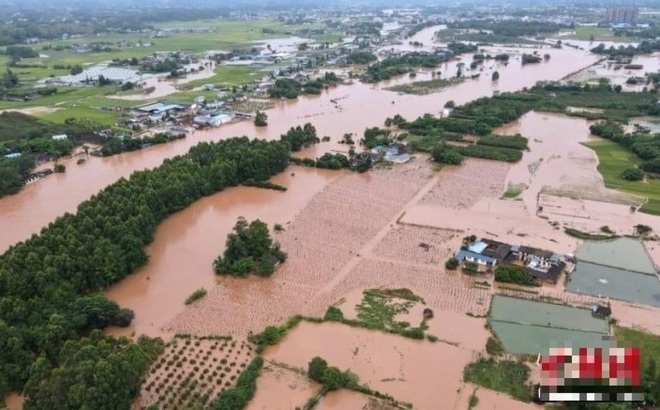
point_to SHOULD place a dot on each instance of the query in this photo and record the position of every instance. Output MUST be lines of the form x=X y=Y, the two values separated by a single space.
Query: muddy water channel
x=335 y=112
x=187 y=243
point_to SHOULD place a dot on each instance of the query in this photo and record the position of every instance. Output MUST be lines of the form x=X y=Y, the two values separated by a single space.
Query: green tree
x=249 y=248
x=632 y=174
x=316 y=369
x=495 y=76
x=260 y=119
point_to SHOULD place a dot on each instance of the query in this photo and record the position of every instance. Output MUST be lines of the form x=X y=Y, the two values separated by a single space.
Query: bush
x=494 y=347
x=334 y=314
x=514 y=274
x=443 y=154
x=246 y=386
x=316 y=369
x=632 y=174
x=196 y=295
x=471 y=268
x=452 y=263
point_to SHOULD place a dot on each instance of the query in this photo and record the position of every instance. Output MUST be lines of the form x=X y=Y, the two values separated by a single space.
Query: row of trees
x=115 y=145
x=645 y=47
x=13 y=172
x=397 y=65
x=49 y=283
x=646 y=146
x=511 y=28
x=290 y=88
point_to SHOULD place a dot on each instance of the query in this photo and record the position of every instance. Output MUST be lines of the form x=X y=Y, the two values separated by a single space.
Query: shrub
x=452 y=263
x=334 y=314
x=632 y=174
x=471 y=268
x=494 y=347
x=514 y=274
x=444 y=154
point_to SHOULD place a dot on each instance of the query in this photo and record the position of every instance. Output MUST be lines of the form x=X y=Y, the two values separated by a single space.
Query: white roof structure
x=60 y=137
x=111 y=73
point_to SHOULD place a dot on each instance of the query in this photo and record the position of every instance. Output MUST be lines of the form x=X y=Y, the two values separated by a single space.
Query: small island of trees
x=249 y=249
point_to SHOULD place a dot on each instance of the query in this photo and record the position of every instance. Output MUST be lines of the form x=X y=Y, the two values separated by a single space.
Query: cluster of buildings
x=396 y=153
x=179 y=115
x=543 y=265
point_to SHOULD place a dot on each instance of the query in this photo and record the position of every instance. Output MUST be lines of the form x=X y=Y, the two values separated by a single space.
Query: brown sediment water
x=418 y=372
x=335 y=112
x=279 y=388
x=187 y=243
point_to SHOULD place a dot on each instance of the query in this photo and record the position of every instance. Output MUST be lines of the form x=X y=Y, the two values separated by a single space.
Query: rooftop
x=461 y=255
x=478 y=247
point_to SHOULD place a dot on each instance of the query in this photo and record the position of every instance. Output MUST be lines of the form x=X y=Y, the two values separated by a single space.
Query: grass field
x=612 y=160
x=227 y=36
x=599 y=34
x=226 y=76
x=505 y=376
x=649 y=343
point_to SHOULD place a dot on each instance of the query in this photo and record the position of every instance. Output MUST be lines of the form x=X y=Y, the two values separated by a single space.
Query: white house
x=60 y=137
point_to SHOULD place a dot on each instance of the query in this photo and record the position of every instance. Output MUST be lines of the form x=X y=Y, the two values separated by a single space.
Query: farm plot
x=530 y=327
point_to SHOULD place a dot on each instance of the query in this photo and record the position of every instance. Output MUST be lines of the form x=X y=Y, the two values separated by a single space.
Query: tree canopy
x=249 y=248
x=50 y=283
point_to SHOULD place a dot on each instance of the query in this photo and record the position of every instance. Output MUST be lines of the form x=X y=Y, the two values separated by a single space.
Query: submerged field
x=531 y=327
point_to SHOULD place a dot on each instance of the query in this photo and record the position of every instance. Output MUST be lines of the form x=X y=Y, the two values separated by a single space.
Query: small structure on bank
x=428 y=314
x=601 y=311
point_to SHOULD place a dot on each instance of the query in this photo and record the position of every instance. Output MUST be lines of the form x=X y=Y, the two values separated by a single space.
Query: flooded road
x=188 y=242
x=335 y=112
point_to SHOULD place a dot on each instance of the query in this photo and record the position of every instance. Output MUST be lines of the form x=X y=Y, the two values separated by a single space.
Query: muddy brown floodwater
x=181 y=257
x=335 y=112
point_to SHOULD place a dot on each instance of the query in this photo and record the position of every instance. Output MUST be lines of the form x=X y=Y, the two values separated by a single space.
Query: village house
x=544 y=265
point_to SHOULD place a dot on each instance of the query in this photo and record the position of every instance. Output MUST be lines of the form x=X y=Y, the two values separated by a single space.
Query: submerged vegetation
x=504 y=376
x=425 y=87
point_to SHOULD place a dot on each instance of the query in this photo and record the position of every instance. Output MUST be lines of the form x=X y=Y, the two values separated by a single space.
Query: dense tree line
x=49 y=283
x=299 y=137
x=290 y=88
x=21 y=52
x=645 y=146
x=13 y=172
x=360 y=57
x=249 y=249
x=645 y=47
x=116 y=145
x=511 y=28
x=26 y=134
x=397 y=65
x=85 y=372
x=462 y=48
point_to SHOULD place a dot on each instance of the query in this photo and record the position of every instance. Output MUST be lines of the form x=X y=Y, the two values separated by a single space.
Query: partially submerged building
x=543 y=265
